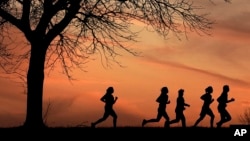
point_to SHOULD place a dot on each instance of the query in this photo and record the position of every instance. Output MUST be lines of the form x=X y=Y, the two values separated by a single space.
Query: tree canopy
x=76 y=29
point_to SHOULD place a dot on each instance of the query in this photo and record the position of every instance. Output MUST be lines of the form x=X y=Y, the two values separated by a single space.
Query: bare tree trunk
x=35 y=80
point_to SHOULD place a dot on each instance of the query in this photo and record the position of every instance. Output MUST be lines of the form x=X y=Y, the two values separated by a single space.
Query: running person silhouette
x=180 y=107
x=162 y=100
x=109 y=101
x=223 y=100
x=206 y=110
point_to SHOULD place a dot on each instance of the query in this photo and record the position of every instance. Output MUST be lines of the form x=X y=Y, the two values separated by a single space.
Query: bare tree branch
x=47 y=111
x=99 y=26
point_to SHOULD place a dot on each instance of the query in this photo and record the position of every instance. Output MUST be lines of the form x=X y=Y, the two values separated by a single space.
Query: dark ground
x=127 y=133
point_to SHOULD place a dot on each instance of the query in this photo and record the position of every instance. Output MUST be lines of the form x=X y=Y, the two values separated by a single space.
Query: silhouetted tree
x=67 y=31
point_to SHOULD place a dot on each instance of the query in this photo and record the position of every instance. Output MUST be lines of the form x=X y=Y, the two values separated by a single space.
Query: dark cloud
x=197 y=70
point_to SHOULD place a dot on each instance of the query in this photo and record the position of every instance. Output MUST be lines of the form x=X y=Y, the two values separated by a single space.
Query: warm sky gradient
x=192 y=64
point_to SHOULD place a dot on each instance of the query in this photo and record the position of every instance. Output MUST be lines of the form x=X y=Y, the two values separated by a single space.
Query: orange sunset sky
x=191 y=64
